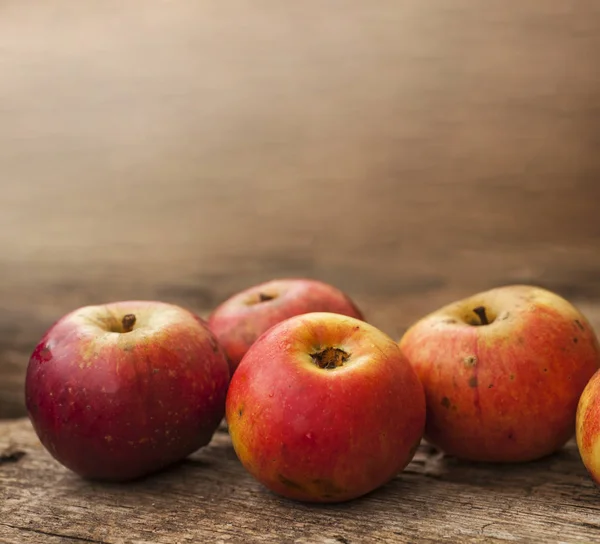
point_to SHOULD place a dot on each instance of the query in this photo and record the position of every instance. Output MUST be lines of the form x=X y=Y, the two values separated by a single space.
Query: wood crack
x=51 y=533
x=11 y=455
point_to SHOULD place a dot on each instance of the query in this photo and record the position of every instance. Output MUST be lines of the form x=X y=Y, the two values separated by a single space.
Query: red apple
x=588 y=427
x=241 y=319
x=324 y=408
x=502 y=371
x=118 y=391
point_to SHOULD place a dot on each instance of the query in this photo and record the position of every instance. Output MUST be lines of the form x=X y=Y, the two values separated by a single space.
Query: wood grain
x=210 y=498
x=411 y=154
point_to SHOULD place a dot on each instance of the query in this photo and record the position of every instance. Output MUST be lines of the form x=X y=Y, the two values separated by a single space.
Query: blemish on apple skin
x=328 y=488
x=473 y=381
x=578 y=323
x=512 y=377
x=470 y=361
x=490 y=386
x=42 y=353
x=290 y=483
x=445 y=402
x=575 y=339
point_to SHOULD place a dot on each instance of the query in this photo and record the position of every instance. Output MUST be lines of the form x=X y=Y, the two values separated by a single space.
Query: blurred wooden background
x=411 y=153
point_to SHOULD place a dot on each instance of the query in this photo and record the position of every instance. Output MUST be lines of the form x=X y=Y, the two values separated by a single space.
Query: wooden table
x=210 y=498
x=409 y=153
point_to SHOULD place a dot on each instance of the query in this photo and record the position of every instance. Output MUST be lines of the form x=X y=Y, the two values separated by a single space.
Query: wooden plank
x=210 y=498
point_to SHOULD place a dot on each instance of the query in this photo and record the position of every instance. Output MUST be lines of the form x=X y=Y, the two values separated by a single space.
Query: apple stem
x=128 y=322
x=330 y=358
x=480 y=311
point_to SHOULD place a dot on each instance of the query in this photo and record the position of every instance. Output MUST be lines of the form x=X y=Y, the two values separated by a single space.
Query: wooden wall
x=411 y=153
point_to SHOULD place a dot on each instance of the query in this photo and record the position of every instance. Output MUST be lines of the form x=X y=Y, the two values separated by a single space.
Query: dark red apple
x=118 y=391
x=325 y=408
x=241 y=319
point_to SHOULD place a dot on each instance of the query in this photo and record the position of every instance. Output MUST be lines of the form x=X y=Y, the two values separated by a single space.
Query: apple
x=324 y=408
x=241 y=319
x=121 y=390
x=588 y=427
x=503 y=371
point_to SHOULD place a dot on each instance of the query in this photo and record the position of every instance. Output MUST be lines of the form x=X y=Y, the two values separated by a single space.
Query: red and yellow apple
x=503 y=371
x=118 y=391
x=241 y=319
x=588 y=427
x=325 y=408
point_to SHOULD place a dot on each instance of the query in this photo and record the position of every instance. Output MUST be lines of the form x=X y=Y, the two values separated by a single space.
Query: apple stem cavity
x=258 y=298
x=330 y=358
x=480 y=311
x=128 y=322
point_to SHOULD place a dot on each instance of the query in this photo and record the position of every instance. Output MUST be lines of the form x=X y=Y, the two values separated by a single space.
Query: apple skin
x=241 y=319
x=324 y=434
x=588 y=427
x=112 y=405
x=506 y=391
